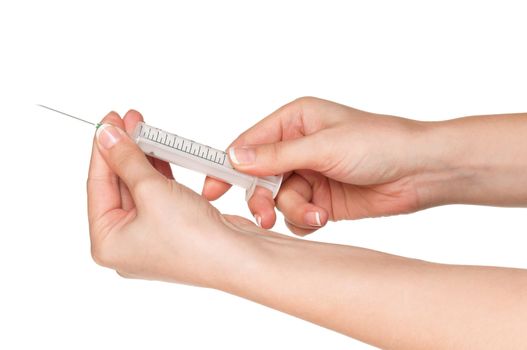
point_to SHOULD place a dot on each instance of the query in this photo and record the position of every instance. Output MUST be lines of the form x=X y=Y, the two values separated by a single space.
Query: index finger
x=285 y=121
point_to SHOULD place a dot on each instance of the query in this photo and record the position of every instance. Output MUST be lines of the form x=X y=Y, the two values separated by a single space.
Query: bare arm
x=385 y=300
x=475 y=160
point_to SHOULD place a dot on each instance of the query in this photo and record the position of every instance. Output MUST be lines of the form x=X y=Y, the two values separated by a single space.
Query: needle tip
x=66 y=114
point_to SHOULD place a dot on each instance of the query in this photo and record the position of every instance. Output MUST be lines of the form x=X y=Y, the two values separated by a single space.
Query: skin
x=366 y=165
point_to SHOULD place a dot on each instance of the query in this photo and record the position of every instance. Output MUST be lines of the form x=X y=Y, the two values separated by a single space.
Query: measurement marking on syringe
x=217 y=157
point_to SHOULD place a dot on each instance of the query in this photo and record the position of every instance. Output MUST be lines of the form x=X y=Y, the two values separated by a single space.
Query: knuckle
x=145 y=186
x=305 y=100
x=175 y=188
x=303 y=105
x=274 y=152
x=101 y=255
x=111 y=117
x=325 y=152
x=304 y=109
x=123 y=274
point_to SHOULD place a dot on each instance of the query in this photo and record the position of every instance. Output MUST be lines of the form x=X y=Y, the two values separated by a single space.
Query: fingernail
x=258 y=220
x=312 y=218
x=242 y=155
x=108 y=135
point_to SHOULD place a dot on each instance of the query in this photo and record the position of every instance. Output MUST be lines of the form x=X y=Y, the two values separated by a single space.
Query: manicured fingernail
x=242 y=155
x=258 y=220
x=108 y=135
x=313 y=218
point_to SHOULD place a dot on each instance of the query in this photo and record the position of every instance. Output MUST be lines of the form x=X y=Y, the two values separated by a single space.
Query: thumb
x=124 y=157
x=279 y=157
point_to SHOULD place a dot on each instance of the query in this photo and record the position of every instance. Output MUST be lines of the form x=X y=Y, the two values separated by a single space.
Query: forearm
x=474 y=160
x=385 y=300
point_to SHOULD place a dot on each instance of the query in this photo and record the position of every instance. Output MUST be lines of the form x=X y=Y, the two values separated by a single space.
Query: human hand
x=340 y=163
x=144 y=224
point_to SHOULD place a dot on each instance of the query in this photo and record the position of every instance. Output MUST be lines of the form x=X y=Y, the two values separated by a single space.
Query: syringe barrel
x=198 y=157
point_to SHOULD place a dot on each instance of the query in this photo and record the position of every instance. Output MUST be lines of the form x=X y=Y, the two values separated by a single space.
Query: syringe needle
x=68 y=115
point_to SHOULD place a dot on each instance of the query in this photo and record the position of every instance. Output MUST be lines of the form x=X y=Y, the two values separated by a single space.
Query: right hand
x=339 y=163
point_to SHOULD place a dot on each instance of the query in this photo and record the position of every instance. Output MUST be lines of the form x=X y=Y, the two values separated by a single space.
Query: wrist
x=447 y=165
x=473 y=160
x=239 y=257
x=257 y=260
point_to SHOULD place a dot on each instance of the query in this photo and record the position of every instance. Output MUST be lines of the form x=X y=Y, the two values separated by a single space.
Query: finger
x=309 y=152
x=125 y=274
x=127 y=202
x=300 y=117
x=271 y=128
x=131 y=118
x=102 y=185
x=261 y=205
x=262 y=202
x=213 y=188
x=297 y=230
x=294 y=201
x=125 y=158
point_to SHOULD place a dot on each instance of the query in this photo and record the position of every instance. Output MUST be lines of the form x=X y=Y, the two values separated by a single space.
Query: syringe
x=194 y=156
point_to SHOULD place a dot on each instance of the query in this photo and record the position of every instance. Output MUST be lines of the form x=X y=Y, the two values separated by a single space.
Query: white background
x=207 y=70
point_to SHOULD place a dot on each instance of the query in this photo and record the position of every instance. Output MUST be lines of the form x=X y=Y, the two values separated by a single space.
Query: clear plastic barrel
x=195 y=156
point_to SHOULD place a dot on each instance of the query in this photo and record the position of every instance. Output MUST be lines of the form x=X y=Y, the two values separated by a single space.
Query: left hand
x=144 y=224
